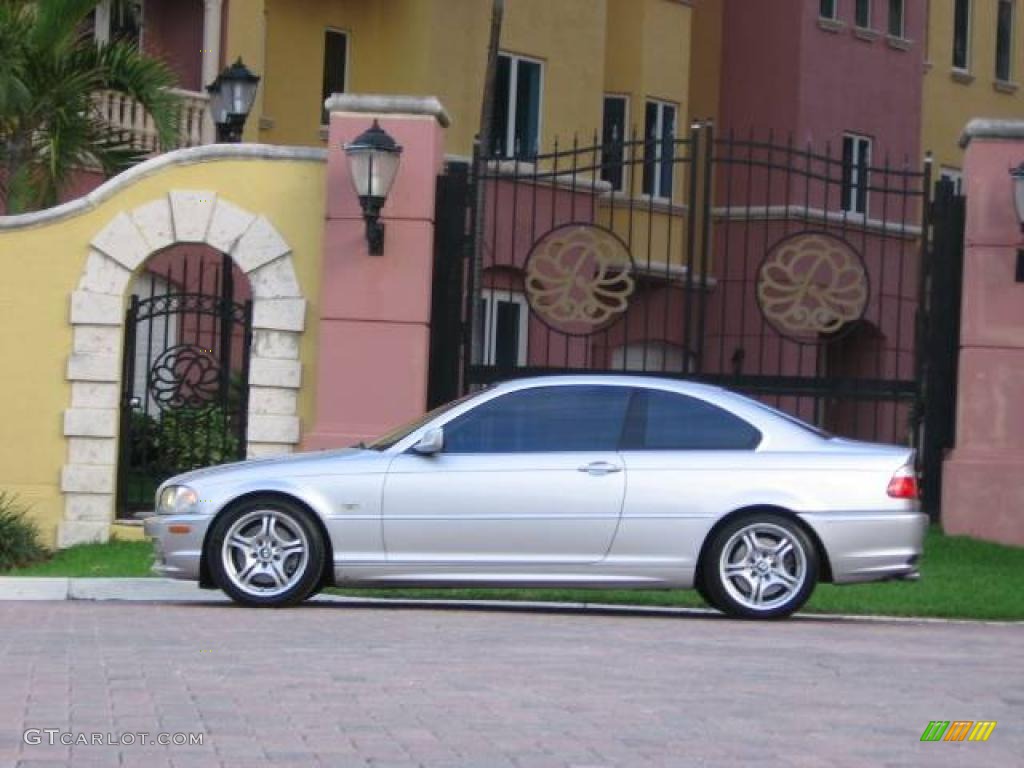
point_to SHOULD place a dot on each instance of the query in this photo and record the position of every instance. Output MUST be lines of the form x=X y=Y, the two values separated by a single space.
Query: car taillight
x=903 y=484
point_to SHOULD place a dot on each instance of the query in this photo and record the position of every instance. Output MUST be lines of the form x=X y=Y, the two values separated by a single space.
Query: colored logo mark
x=958 y=730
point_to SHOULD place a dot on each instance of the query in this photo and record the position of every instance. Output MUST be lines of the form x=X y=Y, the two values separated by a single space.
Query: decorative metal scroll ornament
x=811 y=284
x=185 y=376
x=579 y=278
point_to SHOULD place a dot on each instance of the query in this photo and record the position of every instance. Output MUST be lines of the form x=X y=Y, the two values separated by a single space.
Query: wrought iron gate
x=796 y=274
x=185 y=374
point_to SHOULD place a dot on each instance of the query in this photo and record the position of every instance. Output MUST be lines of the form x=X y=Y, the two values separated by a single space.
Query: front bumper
x=177 y=555
x=871 y=546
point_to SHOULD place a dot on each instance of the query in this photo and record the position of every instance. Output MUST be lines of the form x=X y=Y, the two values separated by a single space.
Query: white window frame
x=835 y=11
x=651 y=356
x=955 y=175
x=348 y=58
x=1013 y=42
x=491 y=298
x=626 y=165
x=969 y=34
x=867 y=23
x=656 y=190
x=101 y=27
x=902 y=33
x=855 y=180
x=513 y=81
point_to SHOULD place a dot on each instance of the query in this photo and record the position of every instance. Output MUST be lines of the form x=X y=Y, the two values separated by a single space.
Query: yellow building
x=559 y=61
x=973 y=69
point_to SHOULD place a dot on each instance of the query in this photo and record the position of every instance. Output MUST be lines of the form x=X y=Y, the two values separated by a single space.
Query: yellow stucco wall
x=949 y=100
x=245 y=37
x=41 y=266
x=588 y=47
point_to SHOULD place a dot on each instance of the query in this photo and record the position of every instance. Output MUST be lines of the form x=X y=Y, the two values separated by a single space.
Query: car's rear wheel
x=266 y=552
x=760 y=566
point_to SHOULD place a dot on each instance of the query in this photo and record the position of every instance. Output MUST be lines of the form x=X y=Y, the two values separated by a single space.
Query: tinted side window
x=567 y=418
x=673 y=422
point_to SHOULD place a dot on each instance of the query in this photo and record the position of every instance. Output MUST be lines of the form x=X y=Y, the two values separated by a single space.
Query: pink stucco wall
x=375 y=310
x=173 y=32
x=983 y=479
x=782 y=72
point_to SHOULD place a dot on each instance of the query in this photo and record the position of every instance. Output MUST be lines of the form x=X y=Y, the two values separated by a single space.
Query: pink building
x=778 y=252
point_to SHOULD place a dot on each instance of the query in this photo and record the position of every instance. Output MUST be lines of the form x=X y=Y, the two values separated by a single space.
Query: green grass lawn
x=961 y=578
x=115 y=558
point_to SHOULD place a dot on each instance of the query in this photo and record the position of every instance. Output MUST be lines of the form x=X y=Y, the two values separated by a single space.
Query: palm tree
x=51 y=73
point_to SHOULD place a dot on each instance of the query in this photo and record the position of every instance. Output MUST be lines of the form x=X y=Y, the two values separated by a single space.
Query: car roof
x=615 y=379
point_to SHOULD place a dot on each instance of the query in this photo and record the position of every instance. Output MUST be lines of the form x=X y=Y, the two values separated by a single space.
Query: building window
x=651 y=356
x=1004 y=41
x=506 y=323
x=829 y=9
x=862 y=13
x=335 y=68
x=517 y=104
x=118 y=21
x=856 y=164
x=659 y=148
x=613 y=138
x=961 y=34
x=955 y=176
x=897 y=23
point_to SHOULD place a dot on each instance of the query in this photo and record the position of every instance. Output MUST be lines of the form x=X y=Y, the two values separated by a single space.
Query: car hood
x=292 y=465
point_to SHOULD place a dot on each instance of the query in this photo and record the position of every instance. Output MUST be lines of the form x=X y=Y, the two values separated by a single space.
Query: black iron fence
x=184 y=400
x=797 y=274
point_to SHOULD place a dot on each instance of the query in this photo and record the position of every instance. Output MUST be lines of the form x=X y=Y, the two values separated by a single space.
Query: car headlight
x=176 y=500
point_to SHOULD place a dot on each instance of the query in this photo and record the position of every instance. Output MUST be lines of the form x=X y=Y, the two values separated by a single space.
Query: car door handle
x=600 y=468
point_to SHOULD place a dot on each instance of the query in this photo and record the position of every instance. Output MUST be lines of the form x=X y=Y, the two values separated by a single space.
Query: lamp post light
x=373 y=158
x=231 y=98
x=1018 y=192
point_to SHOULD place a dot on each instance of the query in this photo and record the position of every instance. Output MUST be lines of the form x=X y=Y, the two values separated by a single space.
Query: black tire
x=702 y=590
x=286 y=564
x=770 y=582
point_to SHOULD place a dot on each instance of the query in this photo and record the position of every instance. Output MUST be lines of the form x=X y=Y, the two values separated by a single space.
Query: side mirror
x=430 y=443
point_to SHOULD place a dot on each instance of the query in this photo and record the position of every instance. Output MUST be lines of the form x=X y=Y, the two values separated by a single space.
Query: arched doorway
x=185 y=370
x=97 y=311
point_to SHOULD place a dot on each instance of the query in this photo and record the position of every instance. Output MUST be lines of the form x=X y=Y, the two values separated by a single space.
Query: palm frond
x=57 y=23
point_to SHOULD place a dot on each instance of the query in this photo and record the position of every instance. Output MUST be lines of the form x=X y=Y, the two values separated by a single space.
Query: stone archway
x=97 y=316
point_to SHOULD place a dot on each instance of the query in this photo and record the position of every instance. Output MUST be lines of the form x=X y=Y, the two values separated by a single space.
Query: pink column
x=375 y=310
x=983 y=479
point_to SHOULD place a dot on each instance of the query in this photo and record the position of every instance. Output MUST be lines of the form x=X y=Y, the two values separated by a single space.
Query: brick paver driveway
x=343 y=686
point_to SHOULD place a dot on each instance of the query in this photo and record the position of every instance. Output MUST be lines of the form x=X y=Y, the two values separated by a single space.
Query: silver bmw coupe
x=570 y=481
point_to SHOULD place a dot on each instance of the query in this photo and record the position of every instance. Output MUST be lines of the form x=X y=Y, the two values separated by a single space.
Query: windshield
x=384 y=442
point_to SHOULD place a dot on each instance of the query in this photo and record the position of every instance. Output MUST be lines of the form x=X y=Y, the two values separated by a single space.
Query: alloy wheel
x=265 y=553
x=763 y=566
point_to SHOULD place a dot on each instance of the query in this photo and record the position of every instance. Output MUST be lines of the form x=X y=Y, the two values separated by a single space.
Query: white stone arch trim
x=97 y=319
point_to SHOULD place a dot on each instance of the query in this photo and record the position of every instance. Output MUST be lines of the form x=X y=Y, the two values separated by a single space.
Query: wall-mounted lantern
x=1018 y=192
x=373 y=158
x=231 y=97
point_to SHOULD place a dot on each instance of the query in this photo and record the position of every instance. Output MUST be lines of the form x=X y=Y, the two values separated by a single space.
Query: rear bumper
x=870 y=546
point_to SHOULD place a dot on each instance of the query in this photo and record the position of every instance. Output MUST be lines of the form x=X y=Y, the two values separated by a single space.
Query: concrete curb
x=157 y=590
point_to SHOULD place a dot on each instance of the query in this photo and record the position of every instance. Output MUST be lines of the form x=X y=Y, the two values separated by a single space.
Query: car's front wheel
x=266 y=552
x=760 y=566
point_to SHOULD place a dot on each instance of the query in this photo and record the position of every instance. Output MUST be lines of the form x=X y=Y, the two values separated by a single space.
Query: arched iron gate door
x=185 y=380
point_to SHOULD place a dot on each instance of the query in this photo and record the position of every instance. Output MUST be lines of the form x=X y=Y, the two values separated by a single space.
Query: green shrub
x=19 y=536
x=197 y=437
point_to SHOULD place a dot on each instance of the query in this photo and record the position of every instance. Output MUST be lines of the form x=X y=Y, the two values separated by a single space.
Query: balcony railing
x=124 y=114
